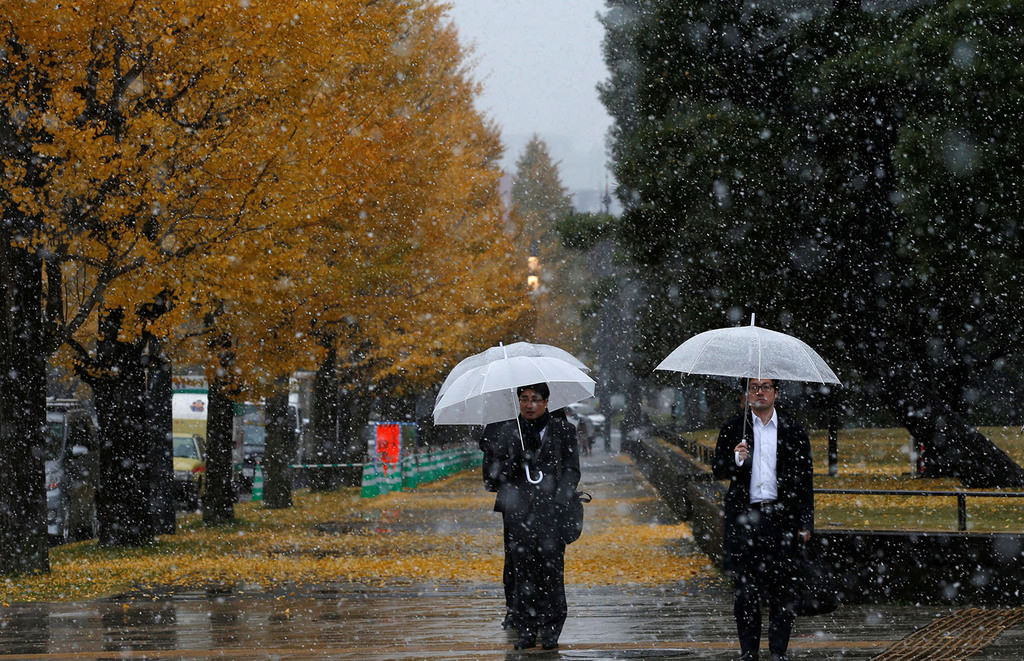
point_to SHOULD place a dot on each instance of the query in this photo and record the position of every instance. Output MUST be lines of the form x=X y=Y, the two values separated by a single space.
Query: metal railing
x=961 y=497
x=705 y=455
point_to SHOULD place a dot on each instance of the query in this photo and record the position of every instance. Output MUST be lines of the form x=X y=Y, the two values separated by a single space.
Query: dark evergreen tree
x=787 y=164
x=538 y=195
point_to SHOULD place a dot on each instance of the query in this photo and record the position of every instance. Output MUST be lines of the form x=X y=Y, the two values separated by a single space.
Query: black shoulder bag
x=572 y=521
x=816 y=589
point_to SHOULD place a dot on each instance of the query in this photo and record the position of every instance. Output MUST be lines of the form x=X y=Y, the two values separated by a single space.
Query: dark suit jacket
x=503 y=472
x=794 y=471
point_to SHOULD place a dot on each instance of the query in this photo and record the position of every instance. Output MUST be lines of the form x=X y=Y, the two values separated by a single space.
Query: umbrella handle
x=540 y=475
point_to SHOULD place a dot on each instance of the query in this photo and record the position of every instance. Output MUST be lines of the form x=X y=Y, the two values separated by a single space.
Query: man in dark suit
x=769 y=509
x=533 y=464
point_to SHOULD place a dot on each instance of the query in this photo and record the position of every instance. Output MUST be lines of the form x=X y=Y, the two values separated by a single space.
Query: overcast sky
x=539 y=62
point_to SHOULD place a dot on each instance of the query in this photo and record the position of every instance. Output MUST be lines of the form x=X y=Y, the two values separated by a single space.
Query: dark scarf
x=531 y=434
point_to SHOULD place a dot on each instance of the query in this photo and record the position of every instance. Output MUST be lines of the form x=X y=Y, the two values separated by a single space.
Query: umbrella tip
x=751 y=318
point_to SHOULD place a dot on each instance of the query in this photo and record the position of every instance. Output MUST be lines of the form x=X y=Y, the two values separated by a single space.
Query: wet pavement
x=462 y=621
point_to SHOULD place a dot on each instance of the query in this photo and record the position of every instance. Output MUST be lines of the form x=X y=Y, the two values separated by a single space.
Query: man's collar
x=773 y=419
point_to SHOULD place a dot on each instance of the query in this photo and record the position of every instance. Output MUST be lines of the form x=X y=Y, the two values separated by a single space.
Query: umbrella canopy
x=486 y=393
x=749 y=352
x=510 y=350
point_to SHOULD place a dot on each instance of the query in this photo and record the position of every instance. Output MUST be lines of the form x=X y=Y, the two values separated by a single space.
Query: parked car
x=589 y=424
x=72 y=471
x=189 y=471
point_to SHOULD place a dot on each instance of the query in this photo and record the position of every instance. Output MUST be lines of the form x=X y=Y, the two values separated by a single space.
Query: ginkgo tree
x=229 y=174
x=354 y=282
x=227 y=98
x=417 y=266
x=253 y=295
x=115 y=114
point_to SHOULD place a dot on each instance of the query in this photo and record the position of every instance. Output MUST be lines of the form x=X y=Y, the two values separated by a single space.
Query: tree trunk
x=634 y=421
x=24 y=545
x=954 y=448
x=219 y=499
x=277 y=479
x=159 y=393
x=354 y=414
x=951 y=446
x=323 y=424
x=118 y=380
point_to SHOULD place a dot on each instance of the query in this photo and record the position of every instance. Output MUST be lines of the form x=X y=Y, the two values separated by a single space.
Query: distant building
x=592 y=200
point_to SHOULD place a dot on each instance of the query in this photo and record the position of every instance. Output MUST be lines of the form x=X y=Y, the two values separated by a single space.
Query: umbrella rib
x=757 y=342
x=703 y=349
x=700 y=353
x=807 y=356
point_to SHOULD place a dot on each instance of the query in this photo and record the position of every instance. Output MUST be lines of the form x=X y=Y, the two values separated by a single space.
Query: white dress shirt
x=763 y=481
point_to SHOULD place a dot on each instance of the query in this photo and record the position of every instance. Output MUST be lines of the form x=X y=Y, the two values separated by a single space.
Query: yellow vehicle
x=189 y=471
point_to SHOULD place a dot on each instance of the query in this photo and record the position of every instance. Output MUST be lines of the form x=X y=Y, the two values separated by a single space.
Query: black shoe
x=549 y=643
x=748 y=656
x=525 y=642
x=779 y=657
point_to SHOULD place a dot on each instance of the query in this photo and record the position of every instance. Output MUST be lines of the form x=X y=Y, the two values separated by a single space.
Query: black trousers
x=537 y=558
x=764 y=574
x=508 y=575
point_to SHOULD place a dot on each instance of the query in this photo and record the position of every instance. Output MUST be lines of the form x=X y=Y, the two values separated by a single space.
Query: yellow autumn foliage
x=280 y=166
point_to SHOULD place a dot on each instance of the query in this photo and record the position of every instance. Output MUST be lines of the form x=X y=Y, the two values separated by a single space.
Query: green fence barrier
x=257 y=483
x=395 y=465
x=369 y=489
x=411 y=476
x=393 y=478
x=416 y=469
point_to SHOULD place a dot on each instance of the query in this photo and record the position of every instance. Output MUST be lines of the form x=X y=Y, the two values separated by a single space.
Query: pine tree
x=540 y=202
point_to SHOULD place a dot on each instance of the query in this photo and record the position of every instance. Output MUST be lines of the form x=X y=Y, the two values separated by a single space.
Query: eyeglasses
x=761 y=387
x=528 y=400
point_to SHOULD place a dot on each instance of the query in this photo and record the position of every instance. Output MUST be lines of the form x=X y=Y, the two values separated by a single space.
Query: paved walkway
x=460 y=621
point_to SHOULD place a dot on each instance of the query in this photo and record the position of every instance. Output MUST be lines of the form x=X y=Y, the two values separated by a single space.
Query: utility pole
x=606 y=357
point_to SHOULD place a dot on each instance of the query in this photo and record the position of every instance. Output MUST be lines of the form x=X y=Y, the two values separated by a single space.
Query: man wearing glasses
x=769 y=509
x=533 y=463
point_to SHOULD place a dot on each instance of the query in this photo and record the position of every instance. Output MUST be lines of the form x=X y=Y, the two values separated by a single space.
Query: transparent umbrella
x=501 y=351
x=749 y=352
x=486 y=393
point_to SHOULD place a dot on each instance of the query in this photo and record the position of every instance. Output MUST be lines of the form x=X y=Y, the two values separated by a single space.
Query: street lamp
x=533 y=274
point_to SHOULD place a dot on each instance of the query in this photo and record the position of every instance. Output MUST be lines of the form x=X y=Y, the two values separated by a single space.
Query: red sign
x=389 y=444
